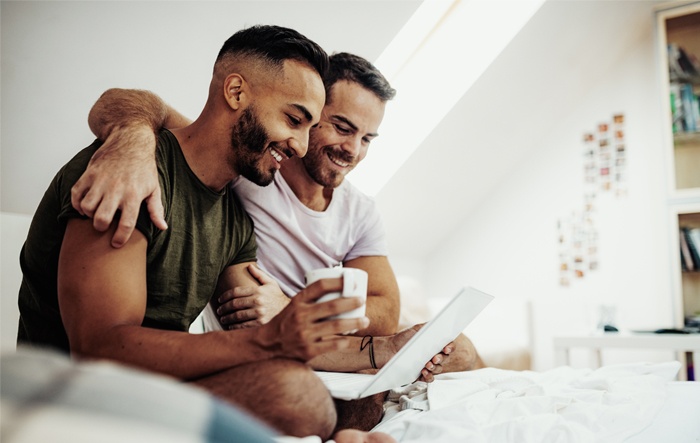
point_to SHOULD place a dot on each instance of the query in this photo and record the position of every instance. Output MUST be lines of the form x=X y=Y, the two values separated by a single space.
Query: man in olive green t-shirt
x=133 y=304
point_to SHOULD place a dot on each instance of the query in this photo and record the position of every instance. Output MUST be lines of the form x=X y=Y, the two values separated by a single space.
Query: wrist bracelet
x=369 y=343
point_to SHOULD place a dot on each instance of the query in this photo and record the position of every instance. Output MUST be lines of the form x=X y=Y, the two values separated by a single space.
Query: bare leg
x=283 y=393
x=464 y=357
x=362 y=414
x=355 y=436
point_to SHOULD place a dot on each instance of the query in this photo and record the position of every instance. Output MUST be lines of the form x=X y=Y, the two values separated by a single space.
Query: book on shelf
x=691 y=256
x=682 y=66
x=685 y=108
x=687 y=262
x=684 y=73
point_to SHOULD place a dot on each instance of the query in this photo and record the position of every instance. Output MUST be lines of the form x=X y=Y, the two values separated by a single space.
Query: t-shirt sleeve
x=246 y=248
x=66 y=178
x=70 y=174
x=371 y=237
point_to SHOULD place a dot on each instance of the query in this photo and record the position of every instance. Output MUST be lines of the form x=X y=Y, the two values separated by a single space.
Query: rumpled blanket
x=563 y=405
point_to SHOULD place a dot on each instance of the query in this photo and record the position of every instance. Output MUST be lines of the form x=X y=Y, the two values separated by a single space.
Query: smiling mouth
x=337 y=161
x=277 y=155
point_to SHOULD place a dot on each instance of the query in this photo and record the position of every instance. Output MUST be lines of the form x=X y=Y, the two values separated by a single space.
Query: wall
x=59 y=56
x=508 y=245
x=13 y=231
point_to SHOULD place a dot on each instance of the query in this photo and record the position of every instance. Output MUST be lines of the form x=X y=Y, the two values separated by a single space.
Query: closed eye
x=293 y=121
x=342 y=129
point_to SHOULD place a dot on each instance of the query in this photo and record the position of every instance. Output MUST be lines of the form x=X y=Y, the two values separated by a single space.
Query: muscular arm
x=122 y=173
x=102 y=297
x=383 y=303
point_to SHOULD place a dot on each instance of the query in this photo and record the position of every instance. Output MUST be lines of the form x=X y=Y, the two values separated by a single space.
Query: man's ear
x=235 y=90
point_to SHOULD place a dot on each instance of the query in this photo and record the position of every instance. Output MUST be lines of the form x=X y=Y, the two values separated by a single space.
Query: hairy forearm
x=162 y=351
x=383 y=313
x=354 y=359
x=126 y=108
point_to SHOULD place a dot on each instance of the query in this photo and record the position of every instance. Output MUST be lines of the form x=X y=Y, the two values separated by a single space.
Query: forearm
x=383 y=302
x=383 y=313
x=354 y=359
x=126 y=108
x=162 y=351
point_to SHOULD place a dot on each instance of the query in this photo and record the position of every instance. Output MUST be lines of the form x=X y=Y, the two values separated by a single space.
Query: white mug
x=354 y=285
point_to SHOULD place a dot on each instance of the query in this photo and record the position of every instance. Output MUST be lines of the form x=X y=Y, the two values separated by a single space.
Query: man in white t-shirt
x=308 y=218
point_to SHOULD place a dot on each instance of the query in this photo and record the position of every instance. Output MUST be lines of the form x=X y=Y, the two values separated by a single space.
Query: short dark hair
x=276 y=44
x=353 y=68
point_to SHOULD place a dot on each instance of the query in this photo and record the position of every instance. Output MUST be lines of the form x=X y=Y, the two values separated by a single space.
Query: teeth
x=276 y=155
x=338 y=162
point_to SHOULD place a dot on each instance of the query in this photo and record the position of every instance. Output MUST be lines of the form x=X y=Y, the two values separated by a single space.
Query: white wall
x=13 y=231
x=59 y=56
x=508 y=245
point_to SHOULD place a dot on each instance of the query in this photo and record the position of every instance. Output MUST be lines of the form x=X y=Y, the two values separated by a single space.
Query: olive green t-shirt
x=207 y=232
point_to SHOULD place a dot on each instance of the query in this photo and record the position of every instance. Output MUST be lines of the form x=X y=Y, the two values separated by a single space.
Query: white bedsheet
x=563 y=405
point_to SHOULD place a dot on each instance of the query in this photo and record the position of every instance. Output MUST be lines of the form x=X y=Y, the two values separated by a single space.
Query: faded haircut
x=353 y=68
x=275 y=45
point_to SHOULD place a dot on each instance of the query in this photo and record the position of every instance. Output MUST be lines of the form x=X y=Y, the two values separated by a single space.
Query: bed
x=621 y=403
x=47 y=397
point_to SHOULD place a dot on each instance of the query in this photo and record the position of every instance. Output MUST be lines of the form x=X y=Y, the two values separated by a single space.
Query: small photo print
x=603 y=127
x=619 y=118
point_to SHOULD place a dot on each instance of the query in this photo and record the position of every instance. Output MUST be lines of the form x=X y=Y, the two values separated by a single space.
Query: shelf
x=686 y=140
x=678 y=28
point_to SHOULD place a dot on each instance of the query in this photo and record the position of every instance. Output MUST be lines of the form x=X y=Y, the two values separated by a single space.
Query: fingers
x=330 y=328
x=235 y=293
x=155 y=209
x=77 y=193
x=449 y=348
x=330 y=308
x=233 y=305
x=87 y=204
x=127 y=223
x=426 y=376
x=320 y=288
x=240 y=317
x=244 y=325
x=259 y=275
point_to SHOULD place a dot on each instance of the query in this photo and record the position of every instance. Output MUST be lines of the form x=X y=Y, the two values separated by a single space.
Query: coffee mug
x=354 y=285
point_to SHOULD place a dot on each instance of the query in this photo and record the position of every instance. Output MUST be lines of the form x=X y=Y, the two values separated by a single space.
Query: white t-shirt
x=293 y=239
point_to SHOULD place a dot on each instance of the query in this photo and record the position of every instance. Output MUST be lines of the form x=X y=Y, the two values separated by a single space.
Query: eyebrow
x=303 y=110
x=352 y=125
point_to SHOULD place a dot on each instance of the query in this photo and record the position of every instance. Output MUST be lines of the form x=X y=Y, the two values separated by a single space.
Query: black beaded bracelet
x=369 y=343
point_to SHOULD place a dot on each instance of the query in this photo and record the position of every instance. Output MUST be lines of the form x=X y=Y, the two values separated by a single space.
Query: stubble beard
x=314 y=164
x=249 y=141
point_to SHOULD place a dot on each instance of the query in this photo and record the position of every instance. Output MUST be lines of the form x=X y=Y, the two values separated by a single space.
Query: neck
x=310 y=194
x=207 y=150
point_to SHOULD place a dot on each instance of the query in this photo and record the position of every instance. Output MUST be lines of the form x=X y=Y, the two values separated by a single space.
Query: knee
x=306 y=407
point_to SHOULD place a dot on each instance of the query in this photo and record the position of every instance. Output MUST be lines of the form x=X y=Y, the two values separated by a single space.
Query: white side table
x=685 y=343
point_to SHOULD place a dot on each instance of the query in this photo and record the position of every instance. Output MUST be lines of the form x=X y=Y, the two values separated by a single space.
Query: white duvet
x=563 y=405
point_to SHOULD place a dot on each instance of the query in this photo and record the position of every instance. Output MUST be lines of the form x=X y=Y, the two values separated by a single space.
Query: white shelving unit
x=679 y=24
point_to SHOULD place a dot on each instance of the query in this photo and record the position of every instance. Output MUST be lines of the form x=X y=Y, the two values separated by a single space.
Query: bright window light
x=435 y=58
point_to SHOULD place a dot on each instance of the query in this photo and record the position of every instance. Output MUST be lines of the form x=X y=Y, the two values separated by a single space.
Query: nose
x=353 y=145
x=299 y=145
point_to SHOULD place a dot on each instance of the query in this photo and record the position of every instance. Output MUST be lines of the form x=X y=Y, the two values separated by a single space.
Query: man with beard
x=135 y=304
x=308 y=218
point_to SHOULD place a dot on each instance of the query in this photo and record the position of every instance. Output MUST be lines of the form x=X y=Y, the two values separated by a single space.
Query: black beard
x=325 y=178
x=248 y=141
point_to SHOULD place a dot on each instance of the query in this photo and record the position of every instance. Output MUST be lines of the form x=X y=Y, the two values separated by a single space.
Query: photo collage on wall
x=604 y=171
